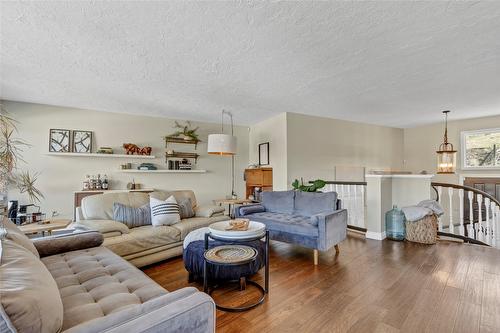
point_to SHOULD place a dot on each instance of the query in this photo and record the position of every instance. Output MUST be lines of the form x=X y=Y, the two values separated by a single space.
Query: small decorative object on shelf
x=175 y=154
x=82 y=141
x=147 y=166
x=132 y=149
x=133 y=185
x=105 y=150
x=126 y=166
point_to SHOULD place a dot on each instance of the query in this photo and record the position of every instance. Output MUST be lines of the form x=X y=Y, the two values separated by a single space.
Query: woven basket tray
x=422 y=231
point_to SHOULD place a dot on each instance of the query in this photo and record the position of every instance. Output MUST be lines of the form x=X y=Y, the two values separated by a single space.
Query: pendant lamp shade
x=446 y=155
x=221 y=144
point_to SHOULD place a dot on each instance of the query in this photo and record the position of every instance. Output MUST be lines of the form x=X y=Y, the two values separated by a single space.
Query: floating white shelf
x=161 y=171
x=102 y=155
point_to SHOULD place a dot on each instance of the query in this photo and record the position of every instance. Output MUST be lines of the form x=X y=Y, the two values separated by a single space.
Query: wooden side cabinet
x=261 y=177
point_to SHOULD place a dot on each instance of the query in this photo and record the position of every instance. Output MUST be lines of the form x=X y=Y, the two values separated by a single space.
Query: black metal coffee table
x=238 y=255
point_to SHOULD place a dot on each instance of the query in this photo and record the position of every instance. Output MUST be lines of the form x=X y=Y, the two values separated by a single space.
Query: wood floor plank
x=371 y=286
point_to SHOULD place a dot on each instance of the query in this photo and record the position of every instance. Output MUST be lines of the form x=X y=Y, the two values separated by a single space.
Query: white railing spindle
x=440 y=222
x=493 y=223
x=450 y=196
x=487 y=230
x=471 y=233
x=480 y=234
x=461 y=211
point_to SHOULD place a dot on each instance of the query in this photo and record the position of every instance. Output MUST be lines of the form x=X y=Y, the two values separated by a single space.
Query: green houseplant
x=185 y=131
x=11 y=149
x=313 y=187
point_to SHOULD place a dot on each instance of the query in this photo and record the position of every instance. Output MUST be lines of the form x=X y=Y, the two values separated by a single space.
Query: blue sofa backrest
x=311 y=203
x=298 y=202
x=279 y=201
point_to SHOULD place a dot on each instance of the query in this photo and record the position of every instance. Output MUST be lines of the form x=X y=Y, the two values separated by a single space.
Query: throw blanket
x=195 y=235
x=422 y=209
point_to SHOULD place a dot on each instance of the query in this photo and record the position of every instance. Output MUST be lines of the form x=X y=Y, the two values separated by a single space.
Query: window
x=481 y=149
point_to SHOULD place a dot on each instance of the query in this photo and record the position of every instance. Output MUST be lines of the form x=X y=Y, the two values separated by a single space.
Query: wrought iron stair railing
x=470 y=214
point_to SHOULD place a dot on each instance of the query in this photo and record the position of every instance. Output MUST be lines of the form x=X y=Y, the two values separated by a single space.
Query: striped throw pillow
x=164 y=212
x=130 y=216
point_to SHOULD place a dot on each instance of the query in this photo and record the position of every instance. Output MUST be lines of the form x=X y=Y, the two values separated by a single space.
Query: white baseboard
x=375 y=235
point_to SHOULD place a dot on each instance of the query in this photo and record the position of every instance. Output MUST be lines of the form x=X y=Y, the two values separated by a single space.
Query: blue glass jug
x=395 y=224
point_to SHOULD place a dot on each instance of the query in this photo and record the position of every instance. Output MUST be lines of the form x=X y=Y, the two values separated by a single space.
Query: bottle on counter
x=92 y=183
x=86 y=183
x=99 y=183
x=105 y=184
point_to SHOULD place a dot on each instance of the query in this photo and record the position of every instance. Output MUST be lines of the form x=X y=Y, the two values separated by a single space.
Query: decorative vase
x=395 y=224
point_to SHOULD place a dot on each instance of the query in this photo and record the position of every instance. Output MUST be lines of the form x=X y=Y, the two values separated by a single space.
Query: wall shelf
x=101 y=155
x=173 y=139
x=161 y=171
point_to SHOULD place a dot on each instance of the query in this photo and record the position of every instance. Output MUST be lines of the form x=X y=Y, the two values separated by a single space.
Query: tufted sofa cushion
x=95 y=282
x=282 y=222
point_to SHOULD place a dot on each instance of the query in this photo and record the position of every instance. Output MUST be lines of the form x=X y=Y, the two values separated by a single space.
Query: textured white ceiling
x=390 y=63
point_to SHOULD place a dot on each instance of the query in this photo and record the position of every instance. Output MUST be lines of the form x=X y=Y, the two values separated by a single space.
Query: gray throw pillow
x=186 y=208
x=130 y=216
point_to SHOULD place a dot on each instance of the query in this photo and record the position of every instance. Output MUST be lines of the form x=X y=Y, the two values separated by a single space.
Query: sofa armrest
x=249 y=209
x=332 y=228
x=184 y=310
x=208 y=210
x=48 y=246
x=103 y=226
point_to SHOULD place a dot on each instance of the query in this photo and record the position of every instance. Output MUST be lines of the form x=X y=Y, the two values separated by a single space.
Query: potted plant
x=11 y=149
x=185 y=131
x=314 y=187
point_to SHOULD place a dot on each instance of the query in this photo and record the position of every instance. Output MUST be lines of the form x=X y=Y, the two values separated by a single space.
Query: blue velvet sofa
x=313 y=220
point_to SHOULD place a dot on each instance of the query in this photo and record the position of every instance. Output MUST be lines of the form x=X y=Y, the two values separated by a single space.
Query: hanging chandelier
x=446 y=155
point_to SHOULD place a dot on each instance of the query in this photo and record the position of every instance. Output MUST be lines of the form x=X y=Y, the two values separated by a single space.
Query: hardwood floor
x=370 y=286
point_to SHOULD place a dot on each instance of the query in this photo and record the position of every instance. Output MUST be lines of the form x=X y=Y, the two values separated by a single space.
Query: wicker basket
x=422 y=231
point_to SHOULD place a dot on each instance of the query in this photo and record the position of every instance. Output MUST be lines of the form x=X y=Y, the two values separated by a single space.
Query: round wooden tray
x=230 y=254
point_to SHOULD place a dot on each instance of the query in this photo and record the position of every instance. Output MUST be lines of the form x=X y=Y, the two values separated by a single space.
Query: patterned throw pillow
x=130 y=216
x=164 y=212
x=186 y=208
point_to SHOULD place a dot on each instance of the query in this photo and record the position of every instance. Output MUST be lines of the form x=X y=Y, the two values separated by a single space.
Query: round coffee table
x=235 y=255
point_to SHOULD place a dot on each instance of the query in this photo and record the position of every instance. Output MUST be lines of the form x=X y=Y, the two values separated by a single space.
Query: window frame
x=463 y=135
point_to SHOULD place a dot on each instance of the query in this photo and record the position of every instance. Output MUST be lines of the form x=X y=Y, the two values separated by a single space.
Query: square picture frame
x=59 y=140
x=82 y=142
x=264 y=153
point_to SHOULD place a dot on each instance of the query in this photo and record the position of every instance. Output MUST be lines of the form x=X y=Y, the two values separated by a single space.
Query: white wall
x=60 y=176
x=421 y=143
x=274 y=131
x=316 y=145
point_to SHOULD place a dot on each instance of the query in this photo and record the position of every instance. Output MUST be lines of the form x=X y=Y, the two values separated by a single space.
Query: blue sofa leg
x=316 y=257
x=337 y=250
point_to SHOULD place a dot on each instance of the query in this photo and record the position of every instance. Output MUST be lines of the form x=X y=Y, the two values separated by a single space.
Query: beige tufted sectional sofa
x=147 y=244
x=72 y=284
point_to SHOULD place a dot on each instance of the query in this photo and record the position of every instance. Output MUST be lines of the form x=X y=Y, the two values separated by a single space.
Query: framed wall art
x=264 y=153
x=59 y=140
x=82 y=141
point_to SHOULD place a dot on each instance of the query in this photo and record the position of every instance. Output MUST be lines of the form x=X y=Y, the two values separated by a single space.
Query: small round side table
x=239 y=255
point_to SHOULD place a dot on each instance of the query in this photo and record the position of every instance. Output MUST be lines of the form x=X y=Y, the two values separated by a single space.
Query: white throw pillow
x=164 y=212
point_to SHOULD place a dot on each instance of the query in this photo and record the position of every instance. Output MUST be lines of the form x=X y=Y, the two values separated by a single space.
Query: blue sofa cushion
x=250 y=209
x=311 y=203
x=279 y=201
x=289 y=223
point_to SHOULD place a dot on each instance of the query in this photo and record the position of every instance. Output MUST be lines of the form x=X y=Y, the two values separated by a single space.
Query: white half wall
x=60 y=176
x=274 y=131
x=316 y=145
